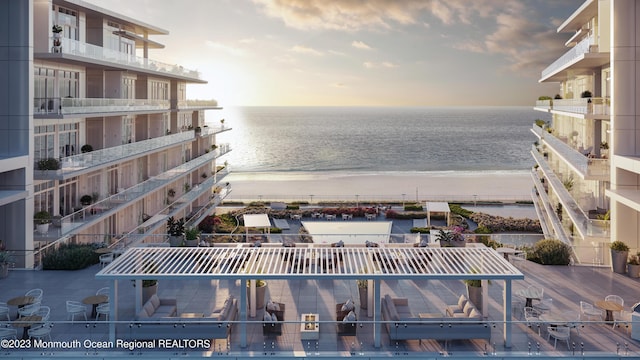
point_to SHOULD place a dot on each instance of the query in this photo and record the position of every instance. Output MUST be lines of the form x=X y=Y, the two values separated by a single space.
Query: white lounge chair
x=76 y=308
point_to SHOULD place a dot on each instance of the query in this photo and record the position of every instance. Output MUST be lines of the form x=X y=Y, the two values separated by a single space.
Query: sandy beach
x=382 y=186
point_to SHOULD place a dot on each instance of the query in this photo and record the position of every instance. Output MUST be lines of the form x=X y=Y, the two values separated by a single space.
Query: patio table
x=25 y=323
x=95 y=300
x=529 y=295
x=609 y=307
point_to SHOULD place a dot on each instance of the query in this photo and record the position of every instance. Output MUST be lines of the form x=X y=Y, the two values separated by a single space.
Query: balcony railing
x=580 y=49
x=134 y=193
x=66 y=106
x=99 y=53
x=543 y=104
x=586 y=106
x=105 y=157
x=212 y=130
x=194 y=104
x=584 y=225
x=587 y=167
x=545 y=203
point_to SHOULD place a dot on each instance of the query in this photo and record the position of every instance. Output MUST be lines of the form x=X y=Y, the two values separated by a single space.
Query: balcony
x=588 y=168
x=583 y=56
x=78 y=106
x=213 y=130
x=586 y=108
x=83 y=163
x=586 y=227
x=95 y=212
x=117 y=59
x=546 y=213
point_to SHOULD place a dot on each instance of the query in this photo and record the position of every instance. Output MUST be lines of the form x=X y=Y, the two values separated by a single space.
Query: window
x=43 y=197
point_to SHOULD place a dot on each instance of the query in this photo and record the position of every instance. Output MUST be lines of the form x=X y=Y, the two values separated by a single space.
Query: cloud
x=339 y=85
x=360 y=45
x=247 y=41
x=384 y=64
x=306 y=50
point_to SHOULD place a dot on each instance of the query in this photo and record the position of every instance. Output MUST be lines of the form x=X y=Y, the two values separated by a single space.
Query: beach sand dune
x=411 y=186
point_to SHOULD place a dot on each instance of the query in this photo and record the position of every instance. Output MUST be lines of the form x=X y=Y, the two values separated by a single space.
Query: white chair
x=36 y=294
x=532 y=316
x=575 y=324
x=519 y=258
x=28 y=310
x=41 y=332
x=544 y=305
x=536 y=290
x=616 y=314
x=106 y=259
x=4 y=311
x=43 y=312
x=104 y=291
x=104 y=310
x=76 y=308
x=8 y=333
x=562 y=333
x=588 y=312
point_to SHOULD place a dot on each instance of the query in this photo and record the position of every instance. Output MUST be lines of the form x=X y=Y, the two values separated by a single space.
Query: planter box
x=619 y=261
x=633 y=270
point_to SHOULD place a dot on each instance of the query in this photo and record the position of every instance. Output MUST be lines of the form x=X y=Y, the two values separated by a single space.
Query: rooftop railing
x=190 y=104
x=580 y=49
x=99 y=53
x=586 y=106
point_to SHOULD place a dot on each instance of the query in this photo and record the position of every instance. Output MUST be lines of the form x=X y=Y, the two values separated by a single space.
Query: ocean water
x=378 y=139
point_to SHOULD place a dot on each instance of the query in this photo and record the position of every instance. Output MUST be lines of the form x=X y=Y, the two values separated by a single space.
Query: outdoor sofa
x=402 y=324
x=164 y=323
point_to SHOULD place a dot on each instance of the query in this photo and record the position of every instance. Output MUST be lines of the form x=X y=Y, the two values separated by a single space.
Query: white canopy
x=350 y=232
x=438 y=207
x=260 y=221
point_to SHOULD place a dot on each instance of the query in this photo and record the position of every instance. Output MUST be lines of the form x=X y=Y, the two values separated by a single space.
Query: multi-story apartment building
x=116 y=146
x=587 y=177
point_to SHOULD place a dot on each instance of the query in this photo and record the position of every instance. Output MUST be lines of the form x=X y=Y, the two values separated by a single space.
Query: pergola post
x=243 y=313
x=507 y=313
x=138 y=294
x=113 y=310
x=377 y=314
x=252 y=297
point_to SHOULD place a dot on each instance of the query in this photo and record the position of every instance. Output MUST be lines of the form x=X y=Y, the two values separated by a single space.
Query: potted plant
x=175 y=229
x=171 y=193
x=86 y=200
x=48 y=164
x=57 y=34
x=633 y=265
x=149 y=286
x=261 y=291
x=86 y=148
x=363 y=288
x=474 y=291
x=6 y=259
x=192 y=236
x=42 y=220
x=619 y=255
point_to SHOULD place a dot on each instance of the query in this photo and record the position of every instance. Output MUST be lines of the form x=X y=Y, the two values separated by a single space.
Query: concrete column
x=507 y=313
x=16 y=126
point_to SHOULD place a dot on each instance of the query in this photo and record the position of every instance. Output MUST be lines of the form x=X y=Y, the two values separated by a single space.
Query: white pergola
x=258 y=221
x=244 y=262
x=350 y=232
x=438 y=207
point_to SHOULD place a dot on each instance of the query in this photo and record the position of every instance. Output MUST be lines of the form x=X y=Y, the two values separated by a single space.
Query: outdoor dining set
x=34 y=318
x=540 y=314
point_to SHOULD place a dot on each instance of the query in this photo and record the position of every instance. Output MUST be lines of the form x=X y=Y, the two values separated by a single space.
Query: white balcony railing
x=194 y=104
x=587 y=167
x=580 y=49
x=96 y=105
x=586 y=106
x=125 y=198
x=543 y=104
x=95 y=52
x=582 y=223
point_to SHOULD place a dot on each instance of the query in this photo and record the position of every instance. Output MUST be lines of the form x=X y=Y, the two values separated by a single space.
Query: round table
x=21 y=301
x=25 y=322
x=102 y=251
x=95 y=300
x=609 y=307
x=530 y=295
x=506 y=251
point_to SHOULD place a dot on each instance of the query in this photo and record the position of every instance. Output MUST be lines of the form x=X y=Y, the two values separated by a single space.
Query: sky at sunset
x=359 y=53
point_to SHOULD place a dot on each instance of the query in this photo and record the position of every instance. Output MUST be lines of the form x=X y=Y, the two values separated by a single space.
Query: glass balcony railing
x=194 y=104
x=580 y=49
x=543 y=104
x=66 y=106
x=587 y=167
x=582 y=223
x=546 y=206
x=586 y=106
x=212 y=130
x=134 y=193
x=105 y=157
x=99 y=53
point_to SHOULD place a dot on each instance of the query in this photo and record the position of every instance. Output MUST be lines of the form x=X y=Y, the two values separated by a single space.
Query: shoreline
x=310 y=186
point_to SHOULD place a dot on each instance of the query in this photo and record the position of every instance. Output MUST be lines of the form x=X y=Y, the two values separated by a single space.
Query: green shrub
x=482 y=230
x=276 y=230
x=413 y=207
x=293 y=207
x=488 y=241
x=619 y=246
x=421 y=230
x=550 y=252
x=459 y=210
x=70 y=257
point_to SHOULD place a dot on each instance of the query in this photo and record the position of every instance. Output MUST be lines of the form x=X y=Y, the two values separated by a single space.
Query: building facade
x=116 y=148
x=586 y=173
